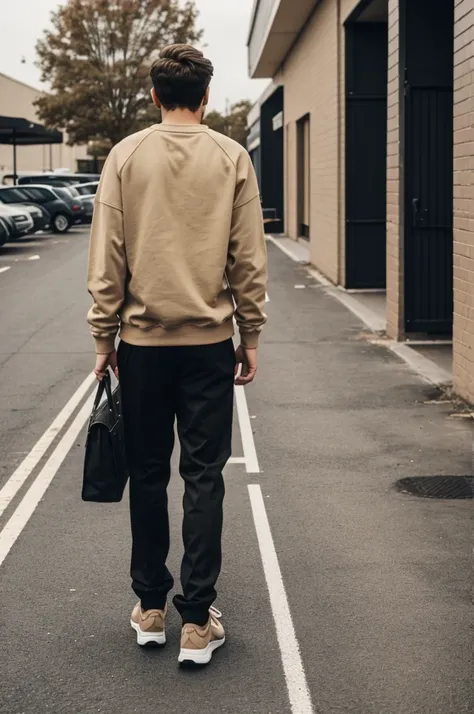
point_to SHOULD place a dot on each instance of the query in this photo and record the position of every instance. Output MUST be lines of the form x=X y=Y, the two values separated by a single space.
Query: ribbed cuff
x=104 y=345
x=249 y=339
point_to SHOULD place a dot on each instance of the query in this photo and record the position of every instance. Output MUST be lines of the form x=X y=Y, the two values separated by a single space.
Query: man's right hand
x=248 y=359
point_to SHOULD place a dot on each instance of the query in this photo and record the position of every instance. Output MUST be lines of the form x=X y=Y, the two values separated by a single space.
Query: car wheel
x=60 y=223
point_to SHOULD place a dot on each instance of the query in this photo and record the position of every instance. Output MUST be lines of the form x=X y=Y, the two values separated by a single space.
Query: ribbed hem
x=104 y=345
x=187 y=335
x=249 y=339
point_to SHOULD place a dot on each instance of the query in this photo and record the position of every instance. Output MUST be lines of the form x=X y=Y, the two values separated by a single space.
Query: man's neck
x=182 y=116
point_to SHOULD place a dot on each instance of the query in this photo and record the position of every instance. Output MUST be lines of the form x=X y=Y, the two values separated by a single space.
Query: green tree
x=96 y=59
x=233 y=123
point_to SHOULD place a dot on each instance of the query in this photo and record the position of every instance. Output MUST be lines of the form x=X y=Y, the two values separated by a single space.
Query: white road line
x=33 y=257
x=4 y=270
x=237 y=460
x=19 y=476
x=35 y=493
x=298 y=692
x=246 y=434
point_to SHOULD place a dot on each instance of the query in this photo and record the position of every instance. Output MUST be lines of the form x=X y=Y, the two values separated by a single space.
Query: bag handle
x=105 y=385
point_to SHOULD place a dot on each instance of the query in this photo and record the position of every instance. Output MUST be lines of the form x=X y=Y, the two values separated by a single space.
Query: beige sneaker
x=199 y=643
x=149 y=625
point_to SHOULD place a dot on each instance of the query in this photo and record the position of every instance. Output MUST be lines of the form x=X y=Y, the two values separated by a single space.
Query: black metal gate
x=429 y=210
x=366 y=152
x=427 y=55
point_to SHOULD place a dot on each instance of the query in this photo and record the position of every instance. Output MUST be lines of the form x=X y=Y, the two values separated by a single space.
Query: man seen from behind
x=177 y=251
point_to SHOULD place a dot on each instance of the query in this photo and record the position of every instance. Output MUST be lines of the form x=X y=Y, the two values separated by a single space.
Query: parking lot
x=339 y=594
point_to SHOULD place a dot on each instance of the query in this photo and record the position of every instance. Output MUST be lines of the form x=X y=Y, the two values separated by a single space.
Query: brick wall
x=311 y=86
x=395 y=268
x=463 y=338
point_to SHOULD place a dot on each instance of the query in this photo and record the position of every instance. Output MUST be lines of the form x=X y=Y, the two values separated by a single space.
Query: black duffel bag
x=105 y=465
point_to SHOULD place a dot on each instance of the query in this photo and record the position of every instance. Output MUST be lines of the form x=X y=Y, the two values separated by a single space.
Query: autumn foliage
x=96 y=60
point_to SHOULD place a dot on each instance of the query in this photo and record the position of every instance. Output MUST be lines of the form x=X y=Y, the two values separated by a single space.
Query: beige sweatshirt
x=177 y=237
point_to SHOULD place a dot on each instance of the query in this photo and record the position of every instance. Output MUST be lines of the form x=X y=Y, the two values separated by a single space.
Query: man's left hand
x=104 y=361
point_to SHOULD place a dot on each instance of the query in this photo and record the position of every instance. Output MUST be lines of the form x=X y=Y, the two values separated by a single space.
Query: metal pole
x=50 y=157
x=15 y=177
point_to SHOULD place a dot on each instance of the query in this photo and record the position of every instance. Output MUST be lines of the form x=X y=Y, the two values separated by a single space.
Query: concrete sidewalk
x=433 y=361
x=379 y=582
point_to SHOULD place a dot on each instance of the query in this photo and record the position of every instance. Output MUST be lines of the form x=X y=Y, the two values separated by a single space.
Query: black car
x=86 y=201
x=72 y=198
x=62 y=216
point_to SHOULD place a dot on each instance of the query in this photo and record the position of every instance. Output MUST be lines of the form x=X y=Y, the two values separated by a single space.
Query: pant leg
x=204 y=412
x=147 y=388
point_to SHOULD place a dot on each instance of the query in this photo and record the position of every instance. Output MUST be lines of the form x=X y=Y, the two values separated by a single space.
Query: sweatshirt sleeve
x=247 y=255
x=107 y=260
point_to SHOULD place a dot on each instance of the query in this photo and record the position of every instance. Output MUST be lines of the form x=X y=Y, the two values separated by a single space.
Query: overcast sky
x=225 y=23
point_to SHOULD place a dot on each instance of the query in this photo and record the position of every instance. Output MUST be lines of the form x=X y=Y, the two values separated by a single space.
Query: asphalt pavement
x=356 y=599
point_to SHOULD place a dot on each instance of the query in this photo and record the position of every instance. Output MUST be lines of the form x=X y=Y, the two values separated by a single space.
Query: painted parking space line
x=246 y=433
x=237 y=460
x=297 y=686
x=20 y=259
x=4 y=270
x=35 y=493
x=20 y=475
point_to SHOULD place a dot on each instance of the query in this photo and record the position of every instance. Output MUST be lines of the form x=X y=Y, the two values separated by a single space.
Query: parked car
x=56 y=179
x=87 y=202
x=40 y=216
x=10 y=223
x=22 y=220
x=62 y=215
x=74 y=202
x=5 y=231
x=87 y=189
x=40 y=220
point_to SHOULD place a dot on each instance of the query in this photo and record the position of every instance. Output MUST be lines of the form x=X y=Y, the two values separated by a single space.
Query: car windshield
x=13 y=195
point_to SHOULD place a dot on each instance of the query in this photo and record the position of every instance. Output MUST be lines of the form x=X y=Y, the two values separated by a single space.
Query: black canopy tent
x=21 y=132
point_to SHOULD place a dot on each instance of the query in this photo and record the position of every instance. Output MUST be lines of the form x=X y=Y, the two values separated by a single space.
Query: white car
x=22 y=218
x=87 y=189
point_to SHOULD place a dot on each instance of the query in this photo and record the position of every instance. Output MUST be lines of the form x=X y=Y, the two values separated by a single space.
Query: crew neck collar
x=186 y=128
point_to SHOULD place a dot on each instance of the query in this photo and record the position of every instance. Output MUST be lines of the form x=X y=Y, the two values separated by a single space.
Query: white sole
x=148 y=638
x=203 y=656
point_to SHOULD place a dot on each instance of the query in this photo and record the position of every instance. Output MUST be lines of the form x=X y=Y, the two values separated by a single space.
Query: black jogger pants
x=195 y=385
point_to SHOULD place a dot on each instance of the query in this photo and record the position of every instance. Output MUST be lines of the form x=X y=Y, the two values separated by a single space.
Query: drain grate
x=446 y=487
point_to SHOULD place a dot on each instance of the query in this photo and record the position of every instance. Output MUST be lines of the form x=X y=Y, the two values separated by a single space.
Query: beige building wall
x=463 y=347
x=310 y=80
x=16 y=100
x=313 y=78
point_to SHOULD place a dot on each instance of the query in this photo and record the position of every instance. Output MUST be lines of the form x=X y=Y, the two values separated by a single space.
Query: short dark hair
x=181 y=76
